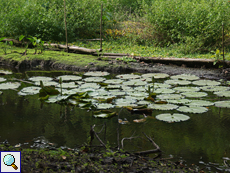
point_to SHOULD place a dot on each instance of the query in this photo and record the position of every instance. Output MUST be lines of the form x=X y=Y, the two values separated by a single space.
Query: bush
x=194 y=25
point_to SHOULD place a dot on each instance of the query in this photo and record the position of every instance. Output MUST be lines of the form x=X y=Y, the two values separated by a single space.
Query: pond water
x=202 y=140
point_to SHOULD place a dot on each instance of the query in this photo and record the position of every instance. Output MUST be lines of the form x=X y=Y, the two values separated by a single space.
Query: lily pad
x=104 y=106
x=143 y=102
x=200 y=103
x=164 y=91
x=96 y=73
x=223 y=93
x=179 y=101
x=192 y=109
x=104 y=115
x=162 y=106
x=185 y=77
x=128 y=76
x=140 y=89
x=40 y=78
x=187 y=89
x=177 y=82
x=117 y=93
x=113 y=87
x=90 y=85
x=138 y=94
x=223 y=104
x=170 y=96
x=29 y=91
x=4 y=72
x=67 y=85
x=172 y=117
x=69 y=77
x=155 y=75
x=113 y=81
x=215 y=88
x=206 y=82
x=194 y=94
x=94 y=79
x=47 y=83
x=56 y=98
x=9 y=85
x=2 y=79
x=135 y=82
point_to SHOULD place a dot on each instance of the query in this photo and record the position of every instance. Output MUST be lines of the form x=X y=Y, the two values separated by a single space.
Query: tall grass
x=190 y=26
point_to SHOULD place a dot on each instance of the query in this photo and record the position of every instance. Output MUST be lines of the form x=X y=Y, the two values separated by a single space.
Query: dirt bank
x=115 y=66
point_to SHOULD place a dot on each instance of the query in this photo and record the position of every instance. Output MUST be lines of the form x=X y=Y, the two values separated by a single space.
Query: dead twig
x=149 y=151
x=92 y=131
x=131 y=137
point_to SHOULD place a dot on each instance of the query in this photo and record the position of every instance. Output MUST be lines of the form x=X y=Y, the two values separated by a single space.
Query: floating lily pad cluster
x=138 y=93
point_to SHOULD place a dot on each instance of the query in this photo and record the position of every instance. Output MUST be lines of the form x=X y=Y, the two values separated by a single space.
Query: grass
x=146 y=51
x=15 y=54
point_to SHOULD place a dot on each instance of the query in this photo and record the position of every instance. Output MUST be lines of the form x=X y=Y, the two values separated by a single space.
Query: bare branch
x=92 y=129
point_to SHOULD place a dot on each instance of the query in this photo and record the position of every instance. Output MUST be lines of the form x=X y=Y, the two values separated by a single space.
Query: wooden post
x=101 y=29
x=223 y=40
x=67 y=48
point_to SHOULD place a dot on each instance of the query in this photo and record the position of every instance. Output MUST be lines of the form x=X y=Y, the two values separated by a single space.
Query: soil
x=115 y=66
x=91 y=160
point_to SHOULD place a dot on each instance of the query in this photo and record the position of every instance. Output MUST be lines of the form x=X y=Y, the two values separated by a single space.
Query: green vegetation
x=144 y=27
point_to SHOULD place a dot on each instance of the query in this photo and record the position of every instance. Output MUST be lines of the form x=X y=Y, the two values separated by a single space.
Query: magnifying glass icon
x=9 y=160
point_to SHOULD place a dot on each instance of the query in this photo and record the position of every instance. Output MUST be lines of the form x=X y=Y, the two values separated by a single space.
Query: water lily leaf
x=69 y=77
x=104 y=115
x=113 y=87
x=46 y=83
x=170 y=96
x=96 y=73
x=67 y=85
x=185 y=77
x=140 y=88
x=206 y=82
x=160 y=85
x=172 y=117
x=178 y=82
x=192 y=109
x=187 y=89
x=67 y=92
x=120 y=121
x=40 y=78
x=128 y=76
x=179 y=101
x=117 y=92
x=164 y=91
x=162 y=106
x=200 y=103
x=48 y=90
x=89 y=85
x=194 y=94
x=135 y=82
x=9 y=85
x=143 y=102
x=56 y=98
x=223 y=104
x=155 y=75
x=29 y=91
x=215 y=88
x=2 y=79
x=138 y=94
x=127 y=88
x=4 y=72
x=114 y=81
x=94 y=79
x=104 y=106
x=223 y=93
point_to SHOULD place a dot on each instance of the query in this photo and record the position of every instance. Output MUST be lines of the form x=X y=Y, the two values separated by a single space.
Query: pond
x=199 y=136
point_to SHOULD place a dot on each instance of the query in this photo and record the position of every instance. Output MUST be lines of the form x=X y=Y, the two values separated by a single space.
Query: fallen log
x=76 y=48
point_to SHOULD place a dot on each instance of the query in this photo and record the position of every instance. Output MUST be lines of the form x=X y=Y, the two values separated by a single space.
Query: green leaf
x=2 y=38
x=21 y=37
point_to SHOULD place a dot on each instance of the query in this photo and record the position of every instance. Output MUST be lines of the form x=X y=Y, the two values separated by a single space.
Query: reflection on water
x=204 y=138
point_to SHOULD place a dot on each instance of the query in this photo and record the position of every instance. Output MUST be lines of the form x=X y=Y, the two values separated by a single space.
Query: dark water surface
x=204 y=138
